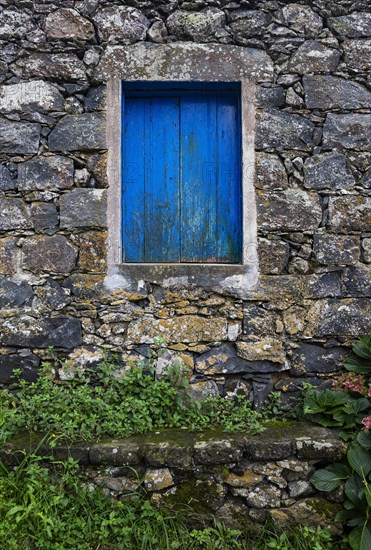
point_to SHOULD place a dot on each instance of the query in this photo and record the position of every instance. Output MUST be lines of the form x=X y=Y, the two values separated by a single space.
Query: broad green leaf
x=359 y=459
x=358 y=365
x=329 y=478
x=364 y=439
x=352 y=488
x=362 y=348
x=360 y=538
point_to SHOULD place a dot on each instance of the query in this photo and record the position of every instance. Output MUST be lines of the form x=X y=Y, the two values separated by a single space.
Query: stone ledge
x=181 y=448
x=237 y=478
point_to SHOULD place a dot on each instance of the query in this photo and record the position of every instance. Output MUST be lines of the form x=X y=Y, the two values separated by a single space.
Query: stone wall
x=235 y=478
x=312 y=179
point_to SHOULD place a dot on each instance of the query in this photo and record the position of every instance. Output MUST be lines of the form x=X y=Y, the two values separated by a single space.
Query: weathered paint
x=181 y=174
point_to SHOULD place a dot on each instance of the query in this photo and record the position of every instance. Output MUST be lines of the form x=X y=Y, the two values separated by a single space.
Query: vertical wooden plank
x=198 y=178
x=133 y=179
x=229 y=203
x=162 y=236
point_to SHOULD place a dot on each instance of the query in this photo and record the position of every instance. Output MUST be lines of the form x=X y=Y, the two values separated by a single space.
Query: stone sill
x=234 y=279
x=176 y=448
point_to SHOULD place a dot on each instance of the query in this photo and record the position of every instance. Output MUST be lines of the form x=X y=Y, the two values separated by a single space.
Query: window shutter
x=182 y=177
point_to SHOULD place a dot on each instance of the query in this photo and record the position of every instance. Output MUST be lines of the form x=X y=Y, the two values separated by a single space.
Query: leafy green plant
x=347 y=409
x=100 y=402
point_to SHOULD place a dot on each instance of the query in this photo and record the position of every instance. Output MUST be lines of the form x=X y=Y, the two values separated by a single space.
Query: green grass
x=53 y=509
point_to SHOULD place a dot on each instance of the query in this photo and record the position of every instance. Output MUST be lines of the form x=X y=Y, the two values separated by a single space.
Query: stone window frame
x=201 y=63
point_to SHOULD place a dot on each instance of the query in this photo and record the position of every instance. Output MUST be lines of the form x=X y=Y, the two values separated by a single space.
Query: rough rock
x=273 y=255
x=258 y=320
x=80 y=132
x=270 y=172
x=302 y=19
x=51 y=66
x=6 y=181
x=216 y=451
x=328 y=171
x=221 y=360
x=350 y=213
x=118 y=23
x=266 y=496
x=27 y=363
x=268 y=349
x=246 y=480
x=83 y=208
x=252 y=24
x=183 y=61
x=155 y=480
x=95 y=99
x=8 y=256
x=288 y=210
x=309 y=512
x=282 y=130
x=93 y=251
x=14 y=294
x=188 y=328
x=311 y=358
x=67 y=24
x=314 y=57
x=336 y=249
x=357 y=281
x=332 y=92
x=45 y=173
x=196 y=25
x=44 y=216
x=14 y=214
x=350 y=131
x=80 y=359
x=203 y=390
x=353 y=25
x=29 y=96
x=348 y=317
x=26 y=331
x=19 y=137
x=157 y=32
x=14 y=24
x=270 y=97
x=357 y=54
x=42 y=254
x=366 y=249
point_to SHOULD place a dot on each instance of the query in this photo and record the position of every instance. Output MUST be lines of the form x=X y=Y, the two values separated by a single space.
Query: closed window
x=181 y=173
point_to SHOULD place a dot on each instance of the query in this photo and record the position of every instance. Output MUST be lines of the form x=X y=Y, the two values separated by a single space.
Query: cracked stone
x=44 y=173
x=66 y=23
x=118 y=23
x=79 y=132
x=328 y=171
x=42 y=253
x=83 y=208
x=314 y=57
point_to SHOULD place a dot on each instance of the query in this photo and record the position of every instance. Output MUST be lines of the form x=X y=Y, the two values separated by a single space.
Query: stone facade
x=310 y=63
x=235 y=478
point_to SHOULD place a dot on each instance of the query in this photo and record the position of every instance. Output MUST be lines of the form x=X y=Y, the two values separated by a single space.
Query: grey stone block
x=290 y=210
x=328 y=171
x=42 y=254
x=331 y=92
x=84 y=132
x=281 y=130
x=14 y=214
x=19 y=137
x=83 y=208
x=26 y=331
x=44 y=173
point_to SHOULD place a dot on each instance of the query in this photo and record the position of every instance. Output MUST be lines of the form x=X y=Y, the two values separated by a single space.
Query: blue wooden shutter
x=181 y=176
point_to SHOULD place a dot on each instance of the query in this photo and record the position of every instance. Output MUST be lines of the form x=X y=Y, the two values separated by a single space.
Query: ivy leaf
x=329 y=478
x=359 y=459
